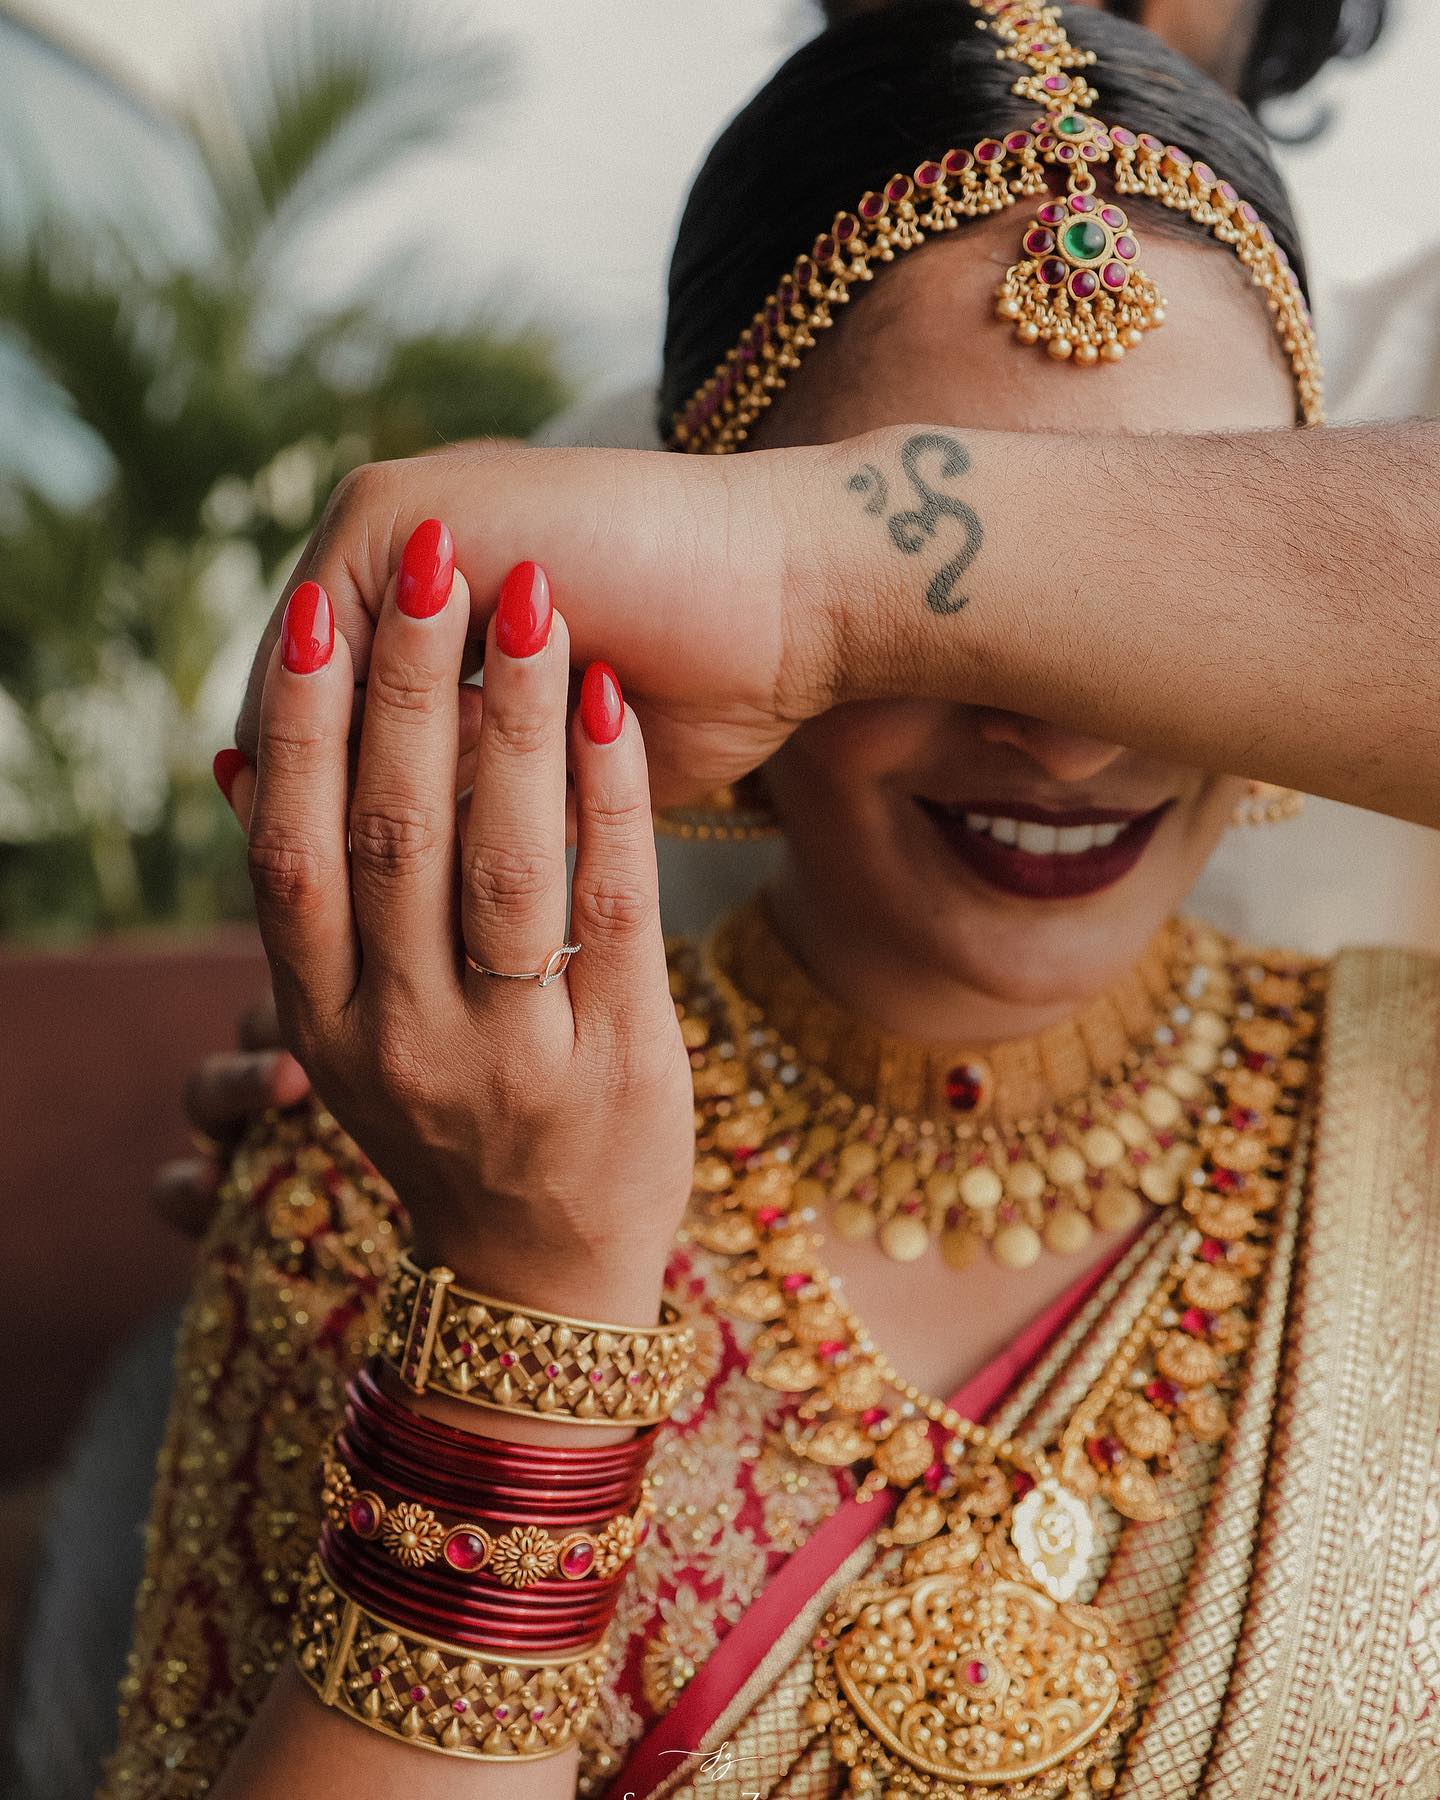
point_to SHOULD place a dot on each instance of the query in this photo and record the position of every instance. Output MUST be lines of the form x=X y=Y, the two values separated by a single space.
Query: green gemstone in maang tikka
x=1084 y=240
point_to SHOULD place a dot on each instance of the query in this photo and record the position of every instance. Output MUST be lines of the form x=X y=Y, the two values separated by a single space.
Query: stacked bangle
x=438 y=1336
x=463 y=1585
x=442 y=1696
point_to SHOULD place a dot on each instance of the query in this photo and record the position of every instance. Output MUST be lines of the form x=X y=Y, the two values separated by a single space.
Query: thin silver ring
x=553 y=967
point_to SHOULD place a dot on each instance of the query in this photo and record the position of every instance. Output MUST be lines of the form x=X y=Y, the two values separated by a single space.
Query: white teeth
x=1044 y=840
x=1039 y=840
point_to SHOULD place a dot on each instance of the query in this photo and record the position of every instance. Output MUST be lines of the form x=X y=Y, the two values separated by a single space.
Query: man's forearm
x=1259 y=603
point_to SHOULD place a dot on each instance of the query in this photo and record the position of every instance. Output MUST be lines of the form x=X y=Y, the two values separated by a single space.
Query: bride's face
x=1024 y=861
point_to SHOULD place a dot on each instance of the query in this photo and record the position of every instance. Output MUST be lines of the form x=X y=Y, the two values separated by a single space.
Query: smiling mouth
x=1043 y=855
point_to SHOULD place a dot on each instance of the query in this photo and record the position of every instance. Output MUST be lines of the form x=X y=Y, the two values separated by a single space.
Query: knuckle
x=516 y=734
x=617 y=903
x=285 y=869
x=613 y=815
x=355 y=489
x=508 y=876
x=392 y=838
x=293 y=745
x=403 y=685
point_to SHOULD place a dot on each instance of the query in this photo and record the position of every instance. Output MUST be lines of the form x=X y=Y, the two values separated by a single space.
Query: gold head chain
x=1077 y=287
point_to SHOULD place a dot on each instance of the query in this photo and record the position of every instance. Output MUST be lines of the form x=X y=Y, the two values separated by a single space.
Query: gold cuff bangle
x=470 y=1703
x=442 y=1338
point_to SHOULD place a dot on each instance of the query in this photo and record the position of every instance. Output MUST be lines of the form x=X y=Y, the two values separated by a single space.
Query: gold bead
x=1103 y=1147
x=903 y=1238
x=943 y=1187
x=1116 y=1209
x=1159 y=1184
x=1184 y=1082
x=1024 y=1182
x=1209 y=1027
x=853 y=1221
x=857 y=1161
x=1113 y=351
x=1060 y=348
x=981 y=1188
x=1027 y=331
x=809 y=1192
x=1086 y=354
x=1133 y=1129
x=897 y=1179
x=1008 y=308
x=1199 y=1056
x=1067 y=1230
x=1016 y=1245
x=1066 y=1166
x=1161 y=1108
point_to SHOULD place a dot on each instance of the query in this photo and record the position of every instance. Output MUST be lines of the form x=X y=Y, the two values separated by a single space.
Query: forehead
x=922 y=342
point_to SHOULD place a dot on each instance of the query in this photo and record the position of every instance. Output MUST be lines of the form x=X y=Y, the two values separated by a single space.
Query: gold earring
x=1267 y=804
x=739 y=813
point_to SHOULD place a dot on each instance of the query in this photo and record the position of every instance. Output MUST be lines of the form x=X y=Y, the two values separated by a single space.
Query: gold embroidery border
x=1333 y=1608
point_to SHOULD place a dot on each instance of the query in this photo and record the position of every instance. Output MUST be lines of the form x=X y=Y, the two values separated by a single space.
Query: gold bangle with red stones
x=442 y=1338
x=518 y=1557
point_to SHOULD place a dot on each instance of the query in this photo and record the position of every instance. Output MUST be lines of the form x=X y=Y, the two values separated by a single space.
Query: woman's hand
x=692 y=597
x=541 y=1137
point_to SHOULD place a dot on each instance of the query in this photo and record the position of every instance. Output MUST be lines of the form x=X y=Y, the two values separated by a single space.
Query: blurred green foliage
x=221 y=445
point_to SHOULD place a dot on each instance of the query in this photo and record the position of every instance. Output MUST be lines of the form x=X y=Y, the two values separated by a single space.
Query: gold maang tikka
x=1077 y=287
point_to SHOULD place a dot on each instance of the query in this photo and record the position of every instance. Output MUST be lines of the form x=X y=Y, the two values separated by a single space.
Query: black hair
x=1291 y=43
x=877 y=94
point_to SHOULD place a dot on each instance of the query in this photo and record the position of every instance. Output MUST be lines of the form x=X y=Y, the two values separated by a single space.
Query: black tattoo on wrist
x=911 y=531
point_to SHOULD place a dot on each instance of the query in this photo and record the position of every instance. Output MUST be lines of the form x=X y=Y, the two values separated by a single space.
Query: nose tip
x=1063 y=755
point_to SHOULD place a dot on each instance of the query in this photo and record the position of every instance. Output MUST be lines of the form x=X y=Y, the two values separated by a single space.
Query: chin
x=1033 y=926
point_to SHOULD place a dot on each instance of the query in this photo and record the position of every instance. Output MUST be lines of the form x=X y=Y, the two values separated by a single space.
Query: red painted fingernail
x=602 y=705
x=522 y=619
x=227 y=765
x=308 y=636
x=427 y=567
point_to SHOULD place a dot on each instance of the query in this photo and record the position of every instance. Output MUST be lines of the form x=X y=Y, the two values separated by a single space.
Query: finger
x=186 y=1194
x=298 y=864
x=232 y=1087
x=402 y=841
x=615 y=899
x=513 y=897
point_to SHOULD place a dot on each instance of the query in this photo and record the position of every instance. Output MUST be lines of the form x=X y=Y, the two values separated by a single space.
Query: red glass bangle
x=491 y=1627
x=415 y=1481
x=474 y=1452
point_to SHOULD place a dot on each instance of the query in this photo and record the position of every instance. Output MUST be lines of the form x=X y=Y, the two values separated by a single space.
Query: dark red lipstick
x=1044 y=875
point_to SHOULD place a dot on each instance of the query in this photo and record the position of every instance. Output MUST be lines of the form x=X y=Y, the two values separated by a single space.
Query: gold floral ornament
x=412 y=1534
x=523 y=1557
x=1077 y=287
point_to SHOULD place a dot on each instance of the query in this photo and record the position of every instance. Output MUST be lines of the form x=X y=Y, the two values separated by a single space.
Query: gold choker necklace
x=1030 y=1144
x=965 y=1666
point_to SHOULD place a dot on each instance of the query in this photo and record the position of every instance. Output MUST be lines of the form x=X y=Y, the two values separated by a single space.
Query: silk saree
x=1285 y=1621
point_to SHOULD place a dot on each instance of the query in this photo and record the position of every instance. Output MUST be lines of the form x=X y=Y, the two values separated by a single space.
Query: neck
x=888 y=983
